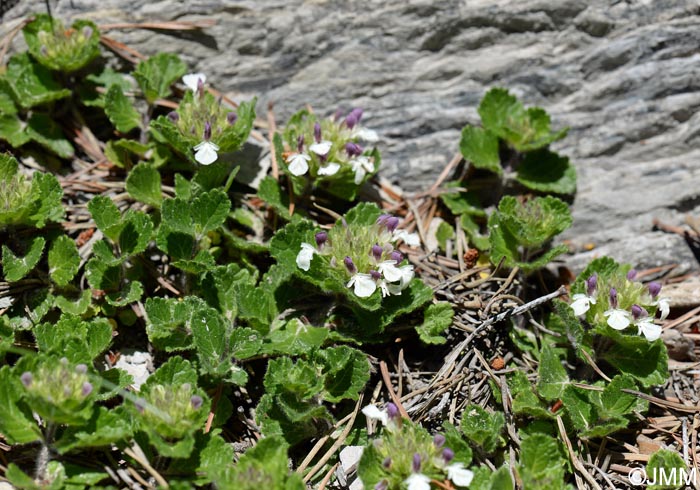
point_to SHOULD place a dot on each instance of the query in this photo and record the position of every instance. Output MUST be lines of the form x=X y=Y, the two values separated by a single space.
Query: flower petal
x=368 y=135
x=298 y=163
x=192 y=79
x=330 y=169
x=418 y=481
x=618 y=319
x=321 y=148
x=305 y=255
x=205 y=153
x=459 y=475
x=581 y=304
x=363 y=284
x=650 y=330
x=664 y=308
x=372 y=412
x=389 y=270
x=410 y=239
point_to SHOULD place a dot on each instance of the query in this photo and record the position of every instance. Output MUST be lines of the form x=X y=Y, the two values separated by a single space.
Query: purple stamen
x=377 y=252
x=207 y=131
x=416 y=462
x=321 y=238
x=631 y=275
x=438 y=440
x=196 y=402
x=448 y=454
x=231 y=117
x=654 y=289
x=300 y=143
x=86 y=389
x=173 y=116
x=396 y=256
x=350 y=265
x=613 y=298
x=317 y=132
x=26 y=379
x=353 y=149
x=592 y=284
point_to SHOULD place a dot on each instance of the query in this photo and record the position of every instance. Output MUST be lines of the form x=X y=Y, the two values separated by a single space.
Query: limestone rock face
x=624 y=75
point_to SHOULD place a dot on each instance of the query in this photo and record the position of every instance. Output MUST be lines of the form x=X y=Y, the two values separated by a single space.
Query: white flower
x=389 y=270
x=459 y=475
x=330 y=169
x=618 y=319
x=418 y=481
x=298 y=163
x=364 y=285
x=410 y=239
x=372 y=412
x=664 y=307
x=361 y=165
x=192 y=80
x=305 y=255
x=406 y=275
x=368 y=135
x=581 y=303
x=389 y=289
x=205 y=152
x=321 y=148
x=647 y=327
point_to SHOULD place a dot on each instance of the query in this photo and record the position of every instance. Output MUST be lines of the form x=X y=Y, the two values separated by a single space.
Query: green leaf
x=294 y=338
x=483 y=428
x=473 y=231
x=32 y=84
x=209 y=210
x=545 y=171
x=542 y=464
x=7 y=103
x=106 y=216
x=77 y=340
x=365 y=213
x=436 y=319
x=579 y=407
x=42 y=129
x=444 y=233
x=668 y=469
x=233 y=136
x=270 y=192
x=16 y=424
x=646 y=362
x=64 y=260
x=480 y=147
x=525 y=401
x=536 y=221
x=497 y=108
x=461 y=202
x=135 y=233
x=210 y=336
x=552 y=375
x=12 y=130
x=74 y=305
x=105 y=427
x=130 y=293
x=14 y=267
x=246 y=342
x=616 y=402
x=143 y=184
x=346 y=371
x=157 y=74
x=120 y=110
x=175 y=371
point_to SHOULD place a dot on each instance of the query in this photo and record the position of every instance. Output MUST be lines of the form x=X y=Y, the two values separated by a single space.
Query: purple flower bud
x=613 y=298
x=592 y=284
x=192 y=130
x=397 y=256
x=86 y=389
x=87 y=32
x=173 y=116
x=654 y=289
x=448 y=454
x=321 y=238
x=438 y=440
x=387 y=462
x=81 y=369
x=353 y=117
x=140 y=405
x=317 y=132
x=392 y=410
x=375 y=275
x=200 y=87
x=338 y=114
x=207 y=131
x=638 y=312
x=300 y=143
x=377 y=252
x=350 y=265
x=392 y=223
x=631 y=275
x=382 y=219
x=382 y=485
x=26 y=378
x=231 y=117
x=353 y=149
x=44 y=50
x=416 y=463
x=196 y=402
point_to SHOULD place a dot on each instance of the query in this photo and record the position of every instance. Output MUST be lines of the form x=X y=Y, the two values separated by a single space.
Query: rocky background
x=624 y=75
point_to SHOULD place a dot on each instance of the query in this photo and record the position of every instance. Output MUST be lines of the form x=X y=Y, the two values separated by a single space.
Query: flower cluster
x=364 y=255
x=410 y=457
x=200 y=115
x=58 y=392
x=171 y=411
x=331 y=146
x=622 y=302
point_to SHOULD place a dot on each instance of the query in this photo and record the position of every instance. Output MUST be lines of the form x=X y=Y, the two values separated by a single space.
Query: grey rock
x=624 y=75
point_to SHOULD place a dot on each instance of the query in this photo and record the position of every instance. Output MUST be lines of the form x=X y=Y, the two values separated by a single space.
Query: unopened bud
x=392 y=410
x=173 y=116
x=631 y=275
x=415 y=464
x=321 y=238
x=207 y=131
x=86 y=389
x=591 y=284
x=396 y=256
x=300 y=143
x=87 y=32
x=654 y=289
x=392 y=223
x=26 y=378
x=377 y=252
x=637 y=312
x=387 y=462
x=81 y=369
x=448 y=454
x=353 y=149
x=231 y=117
x=375 y=275
x=196 y=402
x=350 y=265
x=613 y=298
x=439 y=440
x=317 y=132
